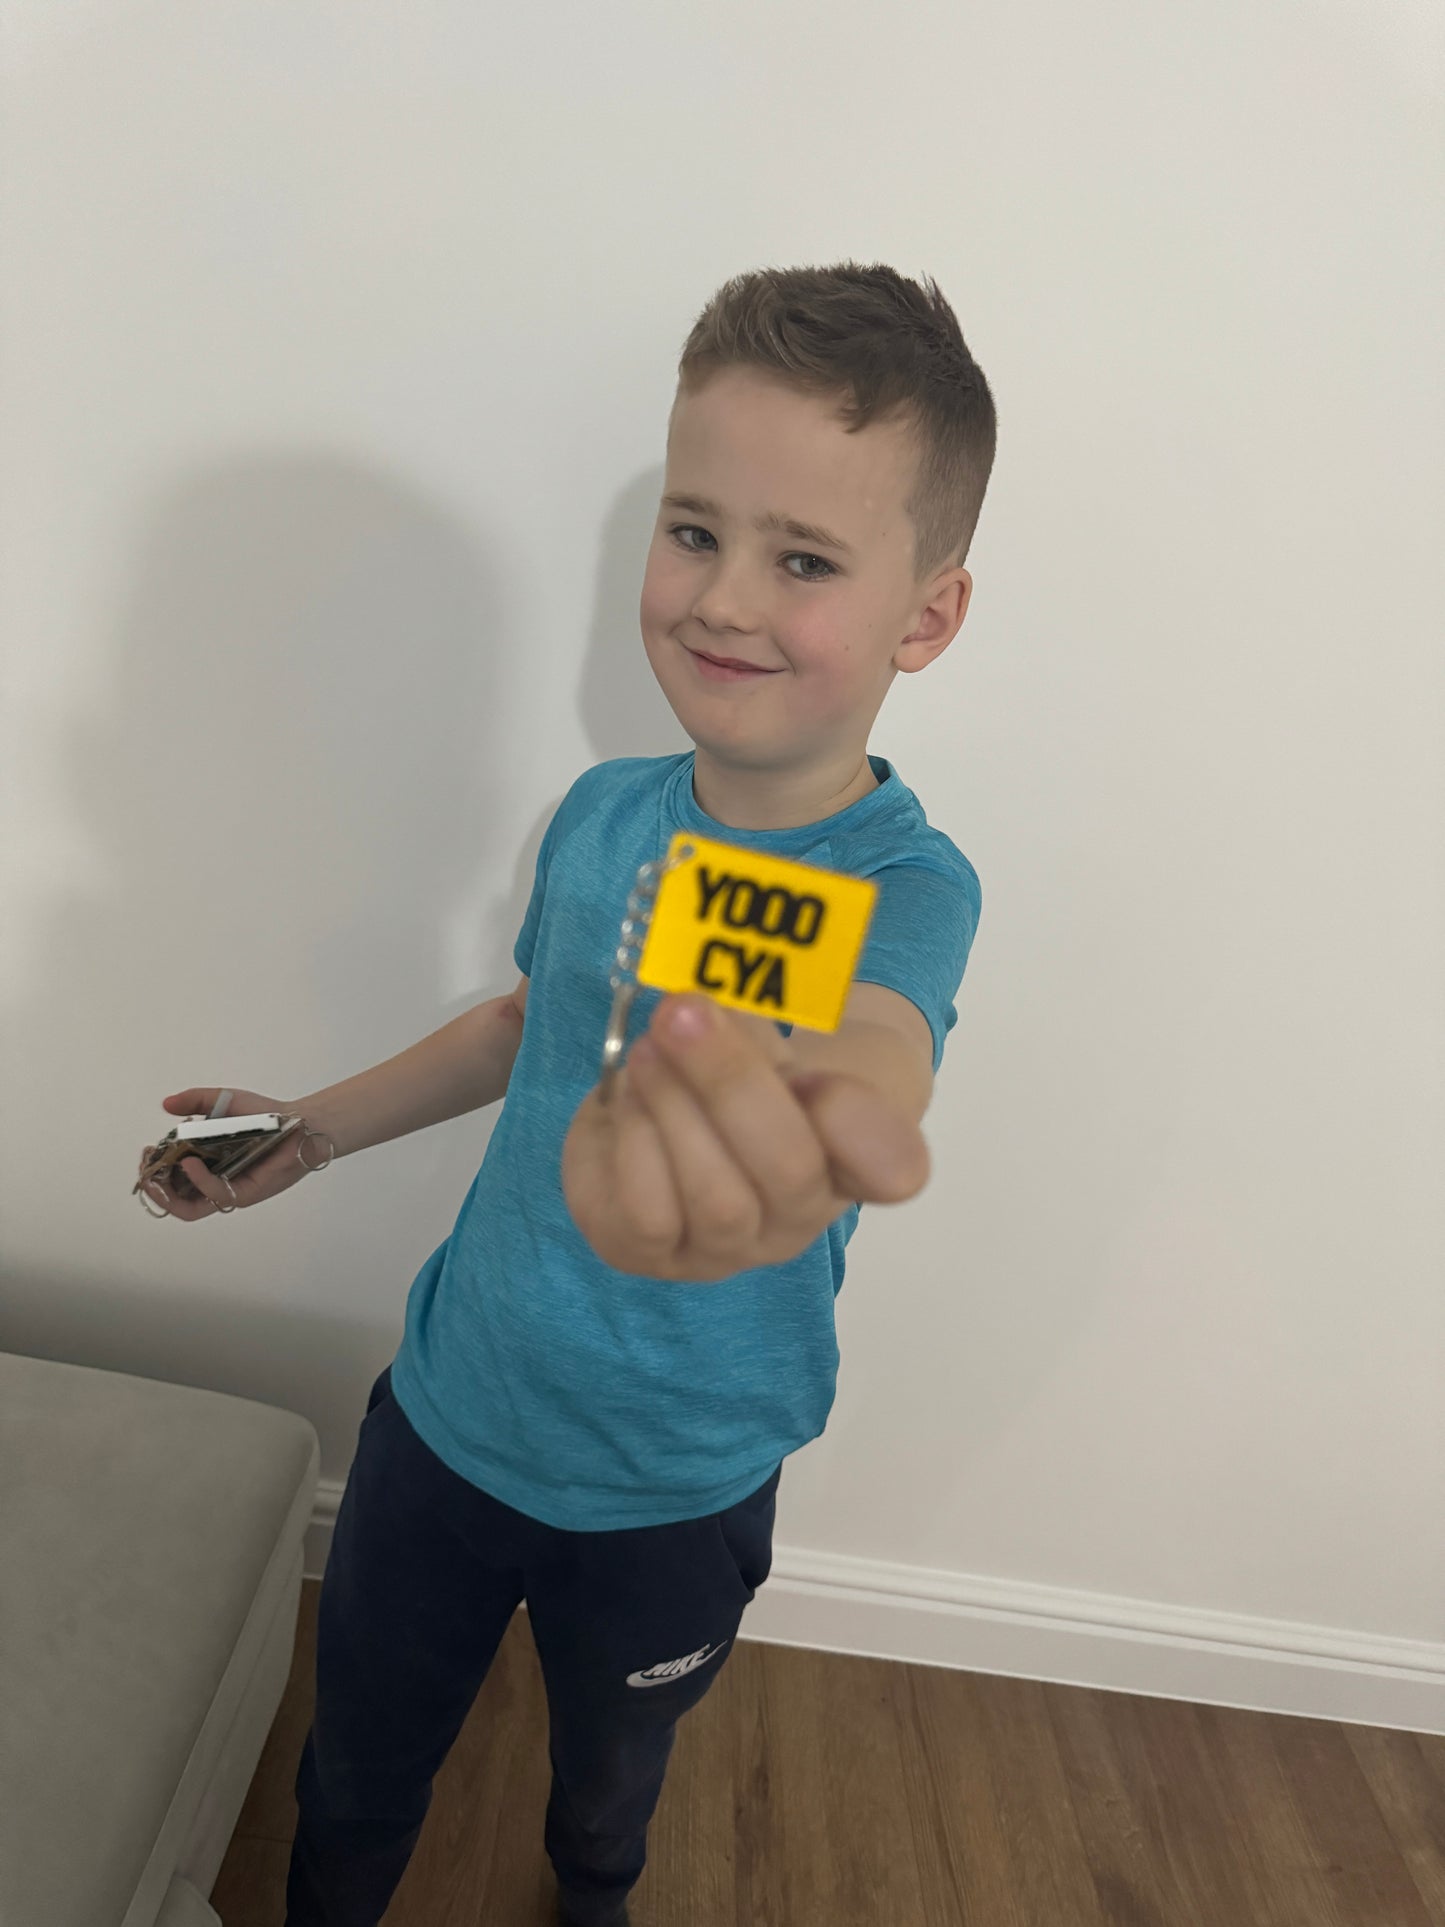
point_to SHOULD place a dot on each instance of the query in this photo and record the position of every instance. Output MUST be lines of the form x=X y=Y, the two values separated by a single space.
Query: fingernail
x=688 y=1020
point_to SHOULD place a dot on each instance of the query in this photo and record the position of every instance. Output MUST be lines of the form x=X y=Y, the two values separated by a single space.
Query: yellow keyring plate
x=757 y=933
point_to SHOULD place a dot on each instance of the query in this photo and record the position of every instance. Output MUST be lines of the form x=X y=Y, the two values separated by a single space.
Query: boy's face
x=833 y=628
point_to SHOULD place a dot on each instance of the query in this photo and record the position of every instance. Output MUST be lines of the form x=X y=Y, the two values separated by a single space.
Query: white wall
x=338 y=345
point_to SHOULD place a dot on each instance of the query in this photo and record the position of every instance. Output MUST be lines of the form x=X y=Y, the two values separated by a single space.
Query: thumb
x=190 y=1103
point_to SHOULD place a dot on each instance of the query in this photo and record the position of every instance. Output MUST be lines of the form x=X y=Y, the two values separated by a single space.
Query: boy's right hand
x=189 y=1191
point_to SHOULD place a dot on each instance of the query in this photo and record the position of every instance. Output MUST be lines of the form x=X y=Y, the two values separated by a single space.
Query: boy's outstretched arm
x=735 y=1147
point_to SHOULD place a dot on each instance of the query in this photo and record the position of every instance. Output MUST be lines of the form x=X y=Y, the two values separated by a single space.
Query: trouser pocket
x=746 y=1532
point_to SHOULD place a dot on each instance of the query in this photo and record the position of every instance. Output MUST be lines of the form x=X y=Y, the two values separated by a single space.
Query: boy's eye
x=691 y=528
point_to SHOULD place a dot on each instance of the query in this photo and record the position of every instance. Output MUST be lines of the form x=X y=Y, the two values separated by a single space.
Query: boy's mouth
x=726 y=668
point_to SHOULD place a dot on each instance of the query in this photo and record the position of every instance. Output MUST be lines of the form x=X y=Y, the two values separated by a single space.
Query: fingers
x=617 y=1183
x=646 y=1193
x=177 y=1191
x=211 y=1196
x=168 y=1200
x=735 y=1079
x=720 y=1206
x=876 y=1155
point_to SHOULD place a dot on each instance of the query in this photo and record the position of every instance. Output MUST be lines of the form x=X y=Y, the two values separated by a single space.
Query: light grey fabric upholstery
x=150 y=1571
x=184 y=1907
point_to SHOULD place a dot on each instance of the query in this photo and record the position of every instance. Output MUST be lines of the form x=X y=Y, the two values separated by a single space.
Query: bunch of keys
x=227 y=1146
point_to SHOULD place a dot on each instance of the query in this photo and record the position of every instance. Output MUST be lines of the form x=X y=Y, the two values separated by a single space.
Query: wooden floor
x=813 y=1790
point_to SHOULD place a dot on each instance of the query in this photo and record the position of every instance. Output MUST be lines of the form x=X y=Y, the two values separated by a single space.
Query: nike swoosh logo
x=674 y=1668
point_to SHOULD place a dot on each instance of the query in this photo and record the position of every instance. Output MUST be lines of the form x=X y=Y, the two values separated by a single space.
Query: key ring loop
x=307 y=1132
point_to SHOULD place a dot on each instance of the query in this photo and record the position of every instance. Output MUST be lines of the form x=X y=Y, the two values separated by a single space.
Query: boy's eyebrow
x=780 y=524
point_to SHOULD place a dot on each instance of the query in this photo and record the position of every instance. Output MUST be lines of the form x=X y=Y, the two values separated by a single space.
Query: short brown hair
x=888 y=349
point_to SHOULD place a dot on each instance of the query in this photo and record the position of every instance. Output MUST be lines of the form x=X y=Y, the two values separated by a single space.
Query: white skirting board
x=929 y=1618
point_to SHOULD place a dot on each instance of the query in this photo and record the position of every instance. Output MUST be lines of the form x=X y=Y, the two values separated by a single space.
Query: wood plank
x=1134 y=1889
x=838 y=1811
x=1371 y=1883
x=1269 y=1811
x=711 y=1830
x=1017 y=1854
x=1406 y=1774
x=958 y=1839
x=1215 y=1862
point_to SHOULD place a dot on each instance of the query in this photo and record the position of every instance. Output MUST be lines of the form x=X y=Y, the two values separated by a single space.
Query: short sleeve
x=573 y=809
x=918 y=941
x=527 y=936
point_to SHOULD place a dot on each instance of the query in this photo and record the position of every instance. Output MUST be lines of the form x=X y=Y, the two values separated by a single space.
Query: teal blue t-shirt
x=595 y=1399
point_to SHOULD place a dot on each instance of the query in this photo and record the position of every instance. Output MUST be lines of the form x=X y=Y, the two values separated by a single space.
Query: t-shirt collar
x=682 y=811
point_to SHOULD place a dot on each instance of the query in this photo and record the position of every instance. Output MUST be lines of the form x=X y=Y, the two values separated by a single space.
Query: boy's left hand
x=712 y=1156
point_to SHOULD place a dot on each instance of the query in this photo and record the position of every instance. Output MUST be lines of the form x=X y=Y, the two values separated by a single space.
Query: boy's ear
x=939 y=622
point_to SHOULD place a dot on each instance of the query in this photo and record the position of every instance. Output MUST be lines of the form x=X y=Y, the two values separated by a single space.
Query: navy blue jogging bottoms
x=424 y=1574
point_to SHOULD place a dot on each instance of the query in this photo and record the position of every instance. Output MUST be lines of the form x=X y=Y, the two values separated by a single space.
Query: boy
x=630 y=1325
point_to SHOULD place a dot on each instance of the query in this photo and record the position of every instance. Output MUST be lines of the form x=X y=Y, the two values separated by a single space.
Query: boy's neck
x=748 y=799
